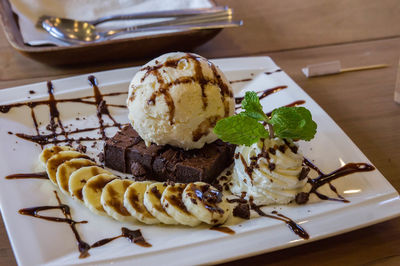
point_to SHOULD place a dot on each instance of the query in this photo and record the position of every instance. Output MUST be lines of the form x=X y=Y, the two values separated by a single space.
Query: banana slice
x=171 y=200
x=206 y=203
x=48 y=152
x=65 y=170
x=59 y=158
x=112 y=199
x=151 y=201
x=133 y=202
x=79 y=178
x=92 y=192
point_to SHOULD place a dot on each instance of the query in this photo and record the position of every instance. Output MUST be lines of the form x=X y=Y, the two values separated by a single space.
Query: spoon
x=143 y=15
x=72 y=31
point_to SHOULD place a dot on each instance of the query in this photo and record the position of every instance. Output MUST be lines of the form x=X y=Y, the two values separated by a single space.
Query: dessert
x=130 y=201
x=126 y=152
x=177 y=99
x=272 y=170
x=268 y=168
x=269 y=171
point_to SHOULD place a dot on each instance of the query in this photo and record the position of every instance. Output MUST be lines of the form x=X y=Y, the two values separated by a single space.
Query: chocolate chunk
x=164 y=163
x=212 y=196
x=218 y=186
x=51 y=126
x=223 y=178
x=82 y=148
x=5 y=108
x=156 y=192
x=271 y=150
x=302 y=198
x=137 y=169
x=271 y=166
x=242 y=210
x=226 y=186
x=304 y=172
x=282 y=148
x=101 y=157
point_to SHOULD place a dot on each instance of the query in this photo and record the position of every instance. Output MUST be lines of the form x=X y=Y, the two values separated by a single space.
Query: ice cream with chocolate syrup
x=269 y=171
x=177 y=99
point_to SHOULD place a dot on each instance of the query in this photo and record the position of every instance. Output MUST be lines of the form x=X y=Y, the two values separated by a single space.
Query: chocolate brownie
x=126 y=152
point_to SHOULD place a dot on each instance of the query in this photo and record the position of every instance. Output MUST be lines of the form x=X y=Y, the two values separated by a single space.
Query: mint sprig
x=285 y=122
x=252 y=106
x=240 y=129
x=293 y=123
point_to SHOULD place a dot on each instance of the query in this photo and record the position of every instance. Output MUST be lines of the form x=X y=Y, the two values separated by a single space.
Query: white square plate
x=35 y=241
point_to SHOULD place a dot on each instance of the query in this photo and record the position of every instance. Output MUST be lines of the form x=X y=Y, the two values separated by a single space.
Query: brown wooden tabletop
x=297 y=33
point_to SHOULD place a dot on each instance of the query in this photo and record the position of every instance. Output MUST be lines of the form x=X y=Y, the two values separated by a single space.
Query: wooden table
x=296 y=33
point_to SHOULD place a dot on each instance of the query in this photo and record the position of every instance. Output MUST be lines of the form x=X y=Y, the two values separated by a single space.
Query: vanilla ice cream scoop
x=177 y=99
x=268 y=172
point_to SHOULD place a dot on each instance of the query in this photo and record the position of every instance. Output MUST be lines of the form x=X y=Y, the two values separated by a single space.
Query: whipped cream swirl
x=268 y=172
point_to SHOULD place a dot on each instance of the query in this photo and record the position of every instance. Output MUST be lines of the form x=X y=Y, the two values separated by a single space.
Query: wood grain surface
x=296 y=33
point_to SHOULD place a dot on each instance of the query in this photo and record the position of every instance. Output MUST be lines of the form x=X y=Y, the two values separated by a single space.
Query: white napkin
x=29 y=11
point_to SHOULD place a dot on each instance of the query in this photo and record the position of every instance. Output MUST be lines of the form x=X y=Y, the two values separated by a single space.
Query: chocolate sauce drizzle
x=272 y=72
x=83 y=247
x=250 y=79
x=323 y=179
x=56 y=122
x=262 y=94
x=223 y=229
x=292 y=104
x=297 y=229
x=42 y=175
x=135 y=236
x=240 y=80
x=265 y=93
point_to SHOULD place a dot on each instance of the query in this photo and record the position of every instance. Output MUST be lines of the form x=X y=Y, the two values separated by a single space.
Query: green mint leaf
x=251 y=105
x=240 y=129
x=293 y=123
